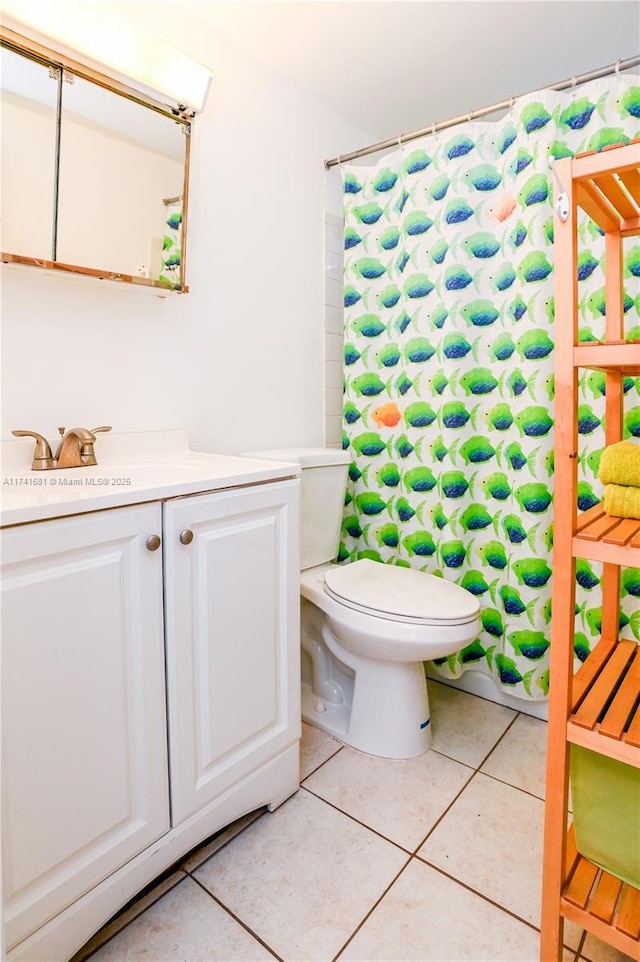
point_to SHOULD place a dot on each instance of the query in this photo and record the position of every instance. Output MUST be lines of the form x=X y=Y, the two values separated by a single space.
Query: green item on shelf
x=606 y=812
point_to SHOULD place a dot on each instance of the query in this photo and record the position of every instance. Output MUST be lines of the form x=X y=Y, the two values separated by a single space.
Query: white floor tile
x=491 y=839
x=465 y=727
x=188 y=926
x=303 y=877
x=401 y=799
x=520 y=757
x=315 y=748
x=426 y=917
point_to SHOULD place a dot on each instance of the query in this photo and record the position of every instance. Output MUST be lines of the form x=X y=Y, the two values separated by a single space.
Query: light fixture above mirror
x=116 y=42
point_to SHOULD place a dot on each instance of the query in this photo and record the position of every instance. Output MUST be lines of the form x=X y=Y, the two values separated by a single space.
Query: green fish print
x=497 y=486
x=480 y=313
x=511 y=600
x=439 y=187
x=532 y=572
x=534 y=267
x=368 y=325
x=453 y=553
x=454 y=484
x=418 y=350
x=419 y=415
x=474 y=582
x=503 y=347
x=534 y=116
x=500 y=417
x=530 y=644
x=504 y=277
x=533 y=497
x=578 y=114
x=419 y=543
x=417 y=222
x=385 y=180
x=533 y=345
x=370 y=503
x=475 y=518
x=492 y=622
x=417 y=161
x=494 y=555
x=420 y=479
x=389 y=475
x=369 y=444
x=509 y=674
x=484 y=177
x=535 y=191
x=479 y=380
x=534 y=422
x=389 y=239
x=585 y=575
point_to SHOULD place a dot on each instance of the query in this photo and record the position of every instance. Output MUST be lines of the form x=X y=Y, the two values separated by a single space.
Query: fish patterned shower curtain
x=449 y=393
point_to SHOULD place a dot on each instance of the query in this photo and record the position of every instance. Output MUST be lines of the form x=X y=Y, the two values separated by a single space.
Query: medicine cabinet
x=95 y=174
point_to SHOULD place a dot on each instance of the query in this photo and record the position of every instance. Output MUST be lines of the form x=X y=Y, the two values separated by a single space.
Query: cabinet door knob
x=186 y=536
x=153 y=542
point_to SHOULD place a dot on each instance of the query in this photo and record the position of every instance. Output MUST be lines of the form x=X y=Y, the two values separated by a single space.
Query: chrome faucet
x=75 y=449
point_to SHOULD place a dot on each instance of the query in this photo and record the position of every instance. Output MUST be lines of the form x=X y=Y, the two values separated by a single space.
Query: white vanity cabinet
x=150 y=695
x=232 y=677
x=84 y=752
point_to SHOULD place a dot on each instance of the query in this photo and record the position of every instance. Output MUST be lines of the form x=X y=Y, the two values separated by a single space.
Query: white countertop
x=131 y=468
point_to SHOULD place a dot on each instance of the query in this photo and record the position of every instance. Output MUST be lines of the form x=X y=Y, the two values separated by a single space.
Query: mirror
x=93 y=178
x=29 y=99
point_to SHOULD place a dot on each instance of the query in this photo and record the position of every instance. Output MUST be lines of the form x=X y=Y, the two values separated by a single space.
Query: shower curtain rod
x=474 y=114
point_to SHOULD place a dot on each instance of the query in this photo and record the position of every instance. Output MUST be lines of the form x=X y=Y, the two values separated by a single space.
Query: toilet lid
x=401 y=594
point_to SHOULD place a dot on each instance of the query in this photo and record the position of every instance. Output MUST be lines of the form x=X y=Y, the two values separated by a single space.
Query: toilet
x=366 y=627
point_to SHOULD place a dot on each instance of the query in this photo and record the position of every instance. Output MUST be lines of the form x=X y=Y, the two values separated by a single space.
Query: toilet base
x=397 y=727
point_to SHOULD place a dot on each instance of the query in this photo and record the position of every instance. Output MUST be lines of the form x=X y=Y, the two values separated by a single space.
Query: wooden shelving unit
x=599 y=707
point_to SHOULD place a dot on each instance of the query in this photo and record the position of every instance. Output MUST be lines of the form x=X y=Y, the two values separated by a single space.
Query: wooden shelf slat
x=595 y=205
x=595 y=701
x=591 y=668
x=629 y=915
x=598 y=529
x=617 y=718
x=579 y=888
x=633 y=735
x=624 y=532
x=631 y=180
x=604 y=901
x=619 y=200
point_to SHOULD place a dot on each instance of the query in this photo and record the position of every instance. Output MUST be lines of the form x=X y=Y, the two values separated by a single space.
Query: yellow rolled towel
x=622 y=501
x=620 y=464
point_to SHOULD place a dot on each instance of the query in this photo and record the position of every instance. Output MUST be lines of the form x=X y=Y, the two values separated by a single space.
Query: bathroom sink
x=131 y=469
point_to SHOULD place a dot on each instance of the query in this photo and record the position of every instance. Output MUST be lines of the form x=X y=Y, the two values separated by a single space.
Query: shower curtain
x=448 y=367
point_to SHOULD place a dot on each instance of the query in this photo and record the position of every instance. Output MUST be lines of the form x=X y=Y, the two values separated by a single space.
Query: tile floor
x=436 y=858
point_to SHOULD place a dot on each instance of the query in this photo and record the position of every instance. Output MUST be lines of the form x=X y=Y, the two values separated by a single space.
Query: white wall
x=239 y=360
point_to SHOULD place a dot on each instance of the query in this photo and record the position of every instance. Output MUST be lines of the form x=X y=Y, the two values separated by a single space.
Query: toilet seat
x=400 y=594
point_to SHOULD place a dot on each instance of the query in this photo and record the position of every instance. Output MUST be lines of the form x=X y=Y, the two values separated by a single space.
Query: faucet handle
x=42 y=458
x=101 y=430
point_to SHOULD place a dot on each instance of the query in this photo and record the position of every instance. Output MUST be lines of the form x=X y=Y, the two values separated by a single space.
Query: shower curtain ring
x=618 y=62
x=433 y=129
x=573 y=80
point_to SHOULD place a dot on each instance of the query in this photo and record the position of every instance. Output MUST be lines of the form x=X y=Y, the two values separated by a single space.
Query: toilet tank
x=323 y=486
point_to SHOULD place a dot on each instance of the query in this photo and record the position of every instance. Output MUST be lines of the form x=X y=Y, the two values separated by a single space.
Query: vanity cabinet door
x=83 y=707
x=232 y=637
